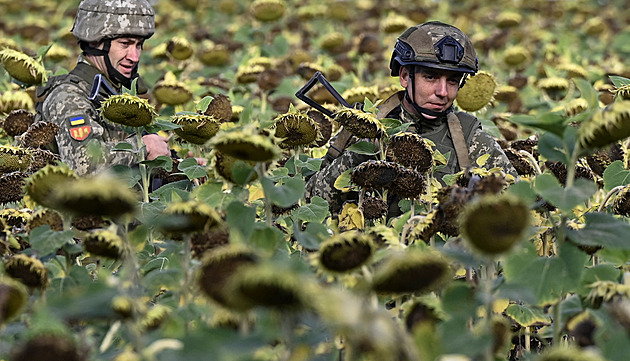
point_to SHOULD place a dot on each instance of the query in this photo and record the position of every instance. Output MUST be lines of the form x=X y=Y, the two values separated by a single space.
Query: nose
x=133 y=53
x=441 y=89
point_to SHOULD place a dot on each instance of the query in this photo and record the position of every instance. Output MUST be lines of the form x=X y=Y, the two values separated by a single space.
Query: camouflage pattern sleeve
x=483 y=143
x=81 y=128
x=322 y=183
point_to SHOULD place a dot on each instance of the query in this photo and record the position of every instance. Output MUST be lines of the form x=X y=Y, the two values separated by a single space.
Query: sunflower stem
x=144 y=178
x=186 y=268
x=489 y=301
x=607 y=197
x=260 y=169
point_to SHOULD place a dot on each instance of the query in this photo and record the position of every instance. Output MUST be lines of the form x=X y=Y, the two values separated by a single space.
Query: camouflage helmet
x=435 y=45
x=101 y=19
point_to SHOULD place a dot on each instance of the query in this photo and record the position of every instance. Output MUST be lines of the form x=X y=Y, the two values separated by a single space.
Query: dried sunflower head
x=188 y=217
x=30 y=271
x=506 y=93
x=170 y=91
x=508 y=19
x=269 y=79
x=213 y=54
x=195 y=128
x=18 y=121
x=129 y=110
x=87 y=222
x=360 y=124
x=22 y=67
x=324 y=124
x=411 y=271
x=179 y=48
x=14 y=159
x=49 y=345
x=334 y=72
x=39 y=134
x=12 y=187
x=45 y=217
x=211 y=239
x=576 y=106
x=555 y=87
x=267 y=10
x=333 y=42
x=155 y=317
x=220 y=108
x=249 y=73
x=345 y=252
x=573 y=70
x=99 y=195
x=296 y=128
x=41 y=185
x=520 y=162
x=411 y=150
x=104 y=243
x=516 y=56
x=373 y=208
x=621 y=204
x=307 y=69
x=374 y=174
x=600 y=160
x=477 y=92
x=13 y=297
x=225 y=166
x=358 y=94
x=395 y=24
x=245 y=145
x=42 y=158
x=14 y=217
x=606 y=126
x=219 y=266
x=408 y=183
x=494 y=224
x=15 y=99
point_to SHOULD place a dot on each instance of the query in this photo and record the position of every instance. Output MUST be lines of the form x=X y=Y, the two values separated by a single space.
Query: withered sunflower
x=494 y=224
x=179 y=48
x=395 y=24
x=220 y=108
x=621 y=204
x=211 y=239
x=14 y=100
x=49 y=345
x=267 y=10
x=46 y=217
x=477 y=92
x=359 y=93
x=325 y=126
x=411 y=271
x=155 y=317
x=245 y=146
x=606 y=126
x=408 y=183
x=247 y=74
x=195 y=128
x=170 y=91
x=104 y=243
x=296 y=128
x=12 y=187
x=18 y=121
x=219 y=266
x=225 y=165
x=39 y=134
x=333 y=42
x=22 y=67
x=129 y=110
x=516 y=56
x=99 y=195
x=187 y=217
x=521 y=164
x=411 y=150
x=42 y=158
x=373 y=208
x=345 y=252
x=13 y=297
x=14 y=159
x=213 y=54
x=374 y=174
x=555 y=87
x=28 y=270
x=360 y=124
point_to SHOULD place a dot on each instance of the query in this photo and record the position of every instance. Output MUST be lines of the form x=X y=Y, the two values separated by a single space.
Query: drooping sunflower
x=374 y=174
x=28 y=270
x=22 y=67
x=408 y=183
x=170 y=91
x=477 y=92
x=296 y=128
x=14 y=159
x=41 y=185
x=220 y=108
x=104 y=243
x=48 y=217
x=267 y=10
x=42 y=158
x=555 y=87
x=245 y=145
x=359 y=93
x=13 y=298
x=516 y=56
x=360 y=124
x=494 y=224
x=606 y=126
x=129 y=110
x=411 y=150
x=213 y=54
x=179 y=48
x=18 y=121
x=187 y=217
x=195 y=128
x=225 y=166
x=12 y=187
x=39 y=134
x=345 y=252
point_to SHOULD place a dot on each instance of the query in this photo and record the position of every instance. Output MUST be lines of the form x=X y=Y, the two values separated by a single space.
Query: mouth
x=435 y=106
x=125 y=68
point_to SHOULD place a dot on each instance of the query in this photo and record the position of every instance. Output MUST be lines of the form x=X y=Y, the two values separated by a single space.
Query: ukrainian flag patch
x=78 y=120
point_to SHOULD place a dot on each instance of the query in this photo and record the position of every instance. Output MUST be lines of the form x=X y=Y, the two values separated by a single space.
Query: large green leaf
x=45 y=241
x=550 y=122
x=240 y=218
x=192 y=170
x=551 y=147
x=363 y=147
x=525 y=315
x=314 y=234
x=284 y=195
x=564 y=198
x=616 y=175
x=602 y=229
x=316 y=211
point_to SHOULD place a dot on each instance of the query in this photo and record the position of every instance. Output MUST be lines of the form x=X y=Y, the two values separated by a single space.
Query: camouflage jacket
x=85 y=140
x=479 y=143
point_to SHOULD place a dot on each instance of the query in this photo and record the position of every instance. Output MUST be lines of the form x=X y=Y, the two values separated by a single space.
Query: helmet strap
x=420 y=110
x=112 y=73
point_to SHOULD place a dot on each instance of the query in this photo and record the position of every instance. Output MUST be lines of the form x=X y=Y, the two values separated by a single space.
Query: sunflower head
x=170 y=91
x=477 y=92
x=296 y=128
x=408 y=183
x=179 y=48
x=22 y=67
x=45 y=217
x=213 y=54
x=188 y=217
x=18 y=121
x=374 y=174
x=12 y=187
x=104 y=243
x=39 y=134
x=494 y=224
x=516 y=56
x=555 y=87
x=360 y=124
x=41 y=185
x=333 y=42
x=220 y=108
x=195 y=128
x=128 y=110
x=345 y=252
x=395 y=24
x=30 y=271
x=14 y=159
x=373 y=208
x=267 y=10
x=411 y=150
x=13 y=297
x=606 y=126
x=247 y=74
x=508 y=19
x=245 y=145
x=359 y=93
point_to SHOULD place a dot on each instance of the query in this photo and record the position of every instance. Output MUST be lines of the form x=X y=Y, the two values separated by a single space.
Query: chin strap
x=112 y=73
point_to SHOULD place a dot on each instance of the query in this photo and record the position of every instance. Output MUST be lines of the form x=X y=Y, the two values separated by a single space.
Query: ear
x=403 y=76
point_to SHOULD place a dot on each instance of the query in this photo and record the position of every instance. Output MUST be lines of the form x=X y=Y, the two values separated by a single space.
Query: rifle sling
x=457 y=134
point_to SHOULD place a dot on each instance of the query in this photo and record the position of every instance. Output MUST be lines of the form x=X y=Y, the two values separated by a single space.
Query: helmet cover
x=101 y=19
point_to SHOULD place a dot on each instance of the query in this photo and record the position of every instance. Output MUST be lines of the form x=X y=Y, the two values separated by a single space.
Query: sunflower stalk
x=144 y=175
x=260 y=170
x=488 y=297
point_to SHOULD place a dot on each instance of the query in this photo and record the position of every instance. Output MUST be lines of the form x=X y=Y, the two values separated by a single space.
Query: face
x=435 y=89
x=124 y=54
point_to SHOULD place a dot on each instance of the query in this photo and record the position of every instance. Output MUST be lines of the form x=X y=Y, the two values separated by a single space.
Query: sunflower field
x=232 y=260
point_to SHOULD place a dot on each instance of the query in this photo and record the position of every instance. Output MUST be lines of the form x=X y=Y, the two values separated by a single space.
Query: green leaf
x=45 y=241
x=266 y=238
x=551 y=147
x=600 y=272
x=524 y=191
x=316 y=211
x=42 y=51
x=602 y=229
x=619 y=81
x=192 y=170
x=343 y=181
x=242 y=173
x=160 y=124
x=203 y=104
x=284 y=195
x=312 y=164
x=241 y=219
x=363 y=147
x=588 y=92
x=615 y=175
x=526 y=316
x=314 y=234
x=162 y=161
x=564 y=198
x=551 y=122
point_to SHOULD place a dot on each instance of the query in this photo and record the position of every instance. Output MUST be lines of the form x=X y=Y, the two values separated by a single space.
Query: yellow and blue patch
x=78 y=120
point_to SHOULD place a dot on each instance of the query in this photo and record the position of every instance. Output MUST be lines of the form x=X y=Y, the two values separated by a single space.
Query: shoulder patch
x=81 y=132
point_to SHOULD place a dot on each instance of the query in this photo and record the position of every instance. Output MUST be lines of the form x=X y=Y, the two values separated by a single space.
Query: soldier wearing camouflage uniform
x=432 y=61
x=111 y=34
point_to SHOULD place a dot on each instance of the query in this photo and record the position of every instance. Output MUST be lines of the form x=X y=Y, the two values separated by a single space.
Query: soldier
x=432 y=61
x=111 y=35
